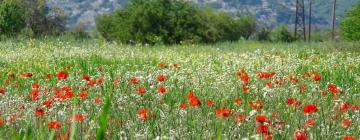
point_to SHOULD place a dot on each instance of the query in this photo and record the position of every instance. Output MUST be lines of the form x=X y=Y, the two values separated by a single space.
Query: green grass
x=207 y=70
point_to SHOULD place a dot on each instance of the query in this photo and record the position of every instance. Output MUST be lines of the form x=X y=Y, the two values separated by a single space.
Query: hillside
x=270 y=12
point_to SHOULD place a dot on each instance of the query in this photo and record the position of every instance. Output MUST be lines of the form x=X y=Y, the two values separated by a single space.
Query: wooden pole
x=296 y=20
x=310 y=14
x=333 y=20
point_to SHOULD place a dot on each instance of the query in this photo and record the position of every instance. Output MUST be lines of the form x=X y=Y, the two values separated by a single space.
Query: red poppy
x=29 y=74
x=269 y=84
x=97 y=100
x=347 y=137
x=209 y=103
x=183 y=105
x=48 y=76
x=176 y=66
x=333 y=89
x=92 y=83
x=162 y=65
x=294 y=80
x=133 y=80
x=260 y=118
x=290 y=101
x=162 y=90
x=355 y=107
x=238 y=101
x=317 y=77
x=245 y=79
x=267 y=136
x=100 y=80
x=193 y=100
x=190 y=95
x=345 y=106
x=346 y=123
x=309 y=123
x=240 y=72
x=246 y=89
x=223 y=112
x=78 y=117
x=309 y=109
x=39 y=113
x=299 y=135
x=256 y=105
x=47 y=103
x=240 y=117
x=86 y=78
x=144 y=114
x=11 y=75
x=262 y=129
x=161 y=78
x=2 y=91
x=54 y=125
x=2 y=122
x=280 y=81
x=83 y=94
x=266 y=75
x=141 y=90
x=35 y=86
x=62 y=75
x=34 y=94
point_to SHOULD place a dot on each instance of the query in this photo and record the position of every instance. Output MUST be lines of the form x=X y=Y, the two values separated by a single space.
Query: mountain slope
x=270 y=12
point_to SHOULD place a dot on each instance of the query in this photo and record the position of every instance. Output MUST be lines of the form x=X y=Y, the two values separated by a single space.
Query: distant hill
x=269 y=12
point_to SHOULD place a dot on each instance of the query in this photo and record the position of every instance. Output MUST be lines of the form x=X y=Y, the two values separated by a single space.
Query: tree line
x=154 y=22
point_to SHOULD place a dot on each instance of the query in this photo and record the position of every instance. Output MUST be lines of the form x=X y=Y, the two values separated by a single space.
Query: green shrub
x=172 y=22
x=281 y=34
x=350 y=25
x=11 y=17
x=262 y=35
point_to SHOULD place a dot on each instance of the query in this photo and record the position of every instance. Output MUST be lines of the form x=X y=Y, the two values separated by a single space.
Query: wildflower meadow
x=56 y=89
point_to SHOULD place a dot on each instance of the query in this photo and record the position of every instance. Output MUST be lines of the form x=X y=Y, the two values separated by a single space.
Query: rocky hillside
x=270 y=12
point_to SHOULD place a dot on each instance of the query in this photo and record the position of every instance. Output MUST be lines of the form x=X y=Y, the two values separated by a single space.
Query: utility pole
x=310 y=14
x=333 y=20
x=300 y=20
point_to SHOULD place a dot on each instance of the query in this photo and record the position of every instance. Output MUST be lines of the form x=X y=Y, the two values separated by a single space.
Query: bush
x=281 y=34
x=11 y=17
x=262 y=35
x=350 y=25
x=172 y=22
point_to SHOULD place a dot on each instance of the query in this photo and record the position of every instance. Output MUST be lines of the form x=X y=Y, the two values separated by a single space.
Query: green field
x=66 y=89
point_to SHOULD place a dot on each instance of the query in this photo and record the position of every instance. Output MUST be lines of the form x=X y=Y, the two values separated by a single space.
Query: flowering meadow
x=95 y=90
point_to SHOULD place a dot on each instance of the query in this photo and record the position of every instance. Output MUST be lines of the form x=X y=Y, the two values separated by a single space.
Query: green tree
x=172 y=22
x=281 y=34
x=350 y=25
x=11 y=17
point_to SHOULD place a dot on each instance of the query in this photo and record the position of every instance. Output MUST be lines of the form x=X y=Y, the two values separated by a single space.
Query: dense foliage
x=30 y=17
x=350 y=25
x=281 y=34
x=12 y=19
x=172 y=22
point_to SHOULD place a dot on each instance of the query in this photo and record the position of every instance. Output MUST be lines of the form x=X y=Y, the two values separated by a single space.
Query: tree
x=11 y=17
x=350 y=25
x=282 y=34
x=43 y=20
x=172 y=22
